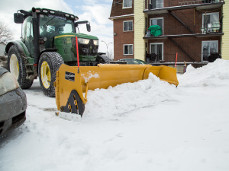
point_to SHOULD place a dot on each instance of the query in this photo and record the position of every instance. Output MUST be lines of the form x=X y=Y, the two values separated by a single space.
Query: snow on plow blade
x=72 y=86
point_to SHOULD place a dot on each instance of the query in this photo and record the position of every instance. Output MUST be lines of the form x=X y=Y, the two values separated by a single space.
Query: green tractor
x=48 y=39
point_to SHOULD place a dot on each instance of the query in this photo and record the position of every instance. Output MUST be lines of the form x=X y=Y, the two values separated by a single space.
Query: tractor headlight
x=8 y=83
x=83 y=41
x=96 y=42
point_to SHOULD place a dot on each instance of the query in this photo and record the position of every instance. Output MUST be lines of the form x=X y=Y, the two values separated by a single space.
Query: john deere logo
x=90 y=47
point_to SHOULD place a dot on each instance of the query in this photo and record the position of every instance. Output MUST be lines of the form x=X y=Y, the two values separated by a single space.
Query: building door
x=208 y=48
x=158 y=50
x=158 y=21
x=210 y=22
x=157 y=3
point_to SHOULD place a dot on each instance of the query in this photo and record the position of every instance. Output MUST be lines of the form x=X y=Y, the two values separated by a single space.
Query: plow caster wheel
x=74 y=104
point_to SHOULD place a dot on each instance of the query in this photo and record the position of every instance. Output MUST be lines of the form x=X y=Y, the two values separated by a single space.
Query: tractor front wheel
x=49 y=63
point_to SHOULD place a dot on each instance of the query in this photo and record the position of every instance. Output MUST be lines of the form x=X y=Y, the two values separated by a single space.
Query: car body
x=132 y=61
x=13 y=102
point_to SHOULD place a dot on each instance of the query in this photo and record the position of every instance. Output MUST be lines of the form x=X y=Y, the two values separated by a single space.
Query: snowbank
x=147 y=125
x=213 y=74
x=116 y=101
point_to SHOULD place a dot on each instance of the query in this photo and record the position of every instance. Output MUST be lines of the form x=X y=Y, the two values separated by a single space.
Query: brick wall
x=192 y=45
x=121 y=38
x=117 y=8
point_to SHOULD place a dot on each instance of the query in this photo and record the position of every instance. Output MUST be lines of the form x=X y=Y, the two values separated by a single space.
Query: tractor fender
x=20 y=45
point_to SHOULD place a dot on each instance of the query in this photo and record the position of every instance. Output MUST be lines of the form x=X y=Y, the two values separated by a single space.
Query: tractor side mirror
x=18 y=18
x=88 y=27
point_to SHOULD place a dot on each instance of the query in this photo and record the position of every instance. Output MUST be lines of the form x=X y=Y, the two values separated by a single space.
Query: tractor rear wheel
x=16 y=65
x=49 y=63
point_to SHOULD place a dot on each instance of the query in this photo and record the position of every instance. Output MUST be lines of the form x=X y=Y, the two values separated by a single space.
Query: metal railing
x=190 y=2
x=210 y=28
x=171 y=58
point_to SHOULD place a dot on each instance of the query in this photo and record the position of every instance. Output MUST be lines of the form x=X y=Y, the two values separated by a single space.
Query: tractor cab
x=50 y=30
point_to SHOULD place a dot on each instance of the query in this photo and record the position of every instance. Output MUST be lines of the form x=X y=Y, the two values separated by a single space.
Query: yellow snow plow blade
x=72 y=86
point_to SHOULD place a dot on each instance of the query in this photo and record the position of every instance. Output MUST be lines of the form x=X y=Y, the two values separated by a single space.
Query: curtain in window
x=157 y=21
x=211 y=20
x=157 y=49
x=209 y=48
x=128 y=26
x=128 y=49
x=157 y=3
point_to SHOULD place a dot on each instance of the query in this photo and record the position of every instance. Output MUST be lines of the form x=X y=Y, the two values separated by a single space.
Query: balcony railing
x=180 y=31
x=173 y=3
x=190 y=2
x=211 y=28
x=171 y=57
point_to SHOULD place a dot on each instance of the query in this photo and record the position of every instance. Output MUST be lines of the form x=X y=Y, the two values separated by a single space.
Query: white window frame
x=202 y=53
x=126 y=22
x=204 y=14
x=126 y=7
x=158 y=18
x=128 y=45
x=158 y=43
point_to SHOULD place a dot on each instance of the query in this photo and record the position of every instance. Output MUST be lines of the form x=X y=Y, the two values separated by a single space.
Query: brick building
x=191 y=28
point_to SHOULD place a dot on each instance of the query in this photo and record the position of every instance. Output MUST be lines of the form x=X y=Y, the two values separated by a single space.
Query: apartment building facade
x=190 y=28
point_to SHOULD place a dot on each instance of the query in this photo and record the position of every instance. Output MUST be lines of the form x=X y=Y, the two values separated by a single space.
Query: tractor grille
x=88 y=50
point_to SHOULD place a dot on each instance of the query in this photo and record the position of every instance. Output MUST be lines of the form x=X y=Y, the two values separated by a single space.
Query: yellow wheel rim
x=14 y=66
x=45 y=74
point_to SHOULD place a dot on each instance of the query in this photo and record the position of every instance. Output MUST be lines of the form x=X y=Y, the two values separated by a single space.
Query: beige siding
x=139 y=24
x=225 y=38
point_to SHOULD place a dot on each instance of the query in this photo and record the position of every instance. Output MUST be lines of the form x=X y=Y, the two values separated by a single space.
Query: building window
x=157 y=21
x=127 y=4
x=208 y=48
x=128 y=25
x=156 y=4
x=210 y=22
x=157 y=49
x=128 y=49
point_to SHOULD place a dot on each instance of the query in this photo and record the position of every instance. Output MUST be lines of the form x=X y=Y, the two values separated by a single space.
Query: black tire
x=54 y=60
x=23 y=82
x=102 y=59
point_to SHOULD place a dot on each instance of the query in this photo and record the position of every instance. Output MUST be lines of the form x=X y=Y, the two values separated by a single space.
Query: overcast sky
x=96 y=12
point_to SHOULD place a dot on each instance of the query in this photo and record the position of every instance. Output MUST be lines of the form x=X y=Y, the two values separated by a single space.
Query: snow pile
x=116 y=101
x=147 y=125
x=212 y=74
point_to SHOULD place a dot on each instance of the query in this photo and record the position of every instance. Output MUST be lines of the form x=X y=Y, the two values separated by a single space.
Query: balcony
x=184 y=4
x=207 y=30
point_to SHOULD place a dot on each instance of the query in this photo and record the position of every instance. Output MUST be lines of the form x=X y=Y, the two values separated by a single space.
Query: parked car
x=13 y=102
x=132 y=61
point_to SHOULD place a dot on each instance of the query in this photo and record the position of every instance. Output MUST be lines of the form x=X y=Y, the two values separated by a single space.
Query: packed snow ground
x=147 y=125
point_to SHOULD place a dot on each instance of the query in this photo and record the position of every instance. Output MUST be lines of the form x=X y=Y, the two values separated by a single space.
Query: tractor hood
x=79 y=35
x=86 y=36
x=66 y=46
